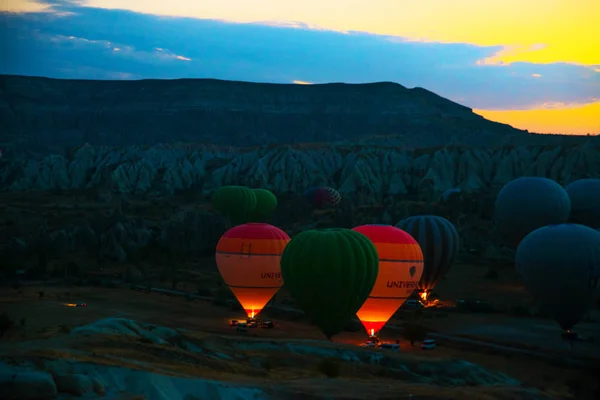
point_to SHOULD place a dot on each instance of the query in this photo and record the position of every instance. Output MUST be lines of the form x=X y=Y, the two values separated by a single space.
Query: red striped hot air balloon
x=248 y=259
x=400 y=269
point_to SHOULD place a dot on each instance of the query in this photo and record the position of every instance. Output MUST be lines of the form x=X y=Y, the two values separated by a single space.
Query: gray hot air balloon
x=585 y=202
x=528 y=203
x=560 y=267
x=439 y=241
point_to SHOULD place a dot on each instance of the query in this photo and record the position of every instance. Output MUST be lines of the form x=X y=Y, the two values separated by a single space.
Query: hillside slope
x=38 y=113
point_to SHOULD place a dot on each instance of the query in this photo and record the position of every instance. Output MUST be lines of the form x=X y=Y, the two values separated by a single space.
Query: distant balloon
x=321 y=197
x=526 y=204
x=248 y=257
x=451 y=194
x=236 y=202
x=560 y=267
x=266 y=204
x=439 y=242
x=330 y=273
x=400 y=269
x=585 y=202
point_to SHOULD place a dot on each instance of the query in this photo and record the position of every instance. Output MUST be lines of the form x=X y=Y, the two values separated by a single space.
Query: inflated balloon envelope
x=400 y=269
x=560 y=266
x=248 y=258
x=439 y=241
x=329 y=273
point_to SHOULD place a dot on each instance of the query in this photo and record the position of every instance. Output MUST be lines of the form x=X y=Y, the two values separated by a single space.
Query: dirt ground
x=51 y=316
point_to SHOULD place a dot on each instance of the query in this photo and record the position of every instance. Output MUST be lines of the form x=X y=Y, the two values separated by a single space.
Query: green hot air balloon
x=330 y=273
x=528 y=203
x=266 y=204
x=236 y=202
x=560 y=267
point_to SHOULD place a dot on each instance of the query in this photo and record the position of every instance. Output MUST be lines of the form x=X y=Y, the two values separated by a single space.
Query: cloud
x=84 y=42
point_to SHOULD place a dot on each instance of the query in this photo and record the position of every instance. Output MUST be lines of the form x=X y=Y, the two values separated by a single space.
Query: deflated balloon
x=266 y=204
x=585 y=202
x=236 y=202
x=329 y=273
x=248 y=257
x=439 y=242
x=400 y=268
x=560 y=267
x=323 y=196
x=526 y=204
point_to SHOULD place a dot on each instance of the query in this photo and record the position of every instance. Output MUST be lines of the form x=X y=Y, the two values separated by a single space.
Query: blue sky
x=73 y=41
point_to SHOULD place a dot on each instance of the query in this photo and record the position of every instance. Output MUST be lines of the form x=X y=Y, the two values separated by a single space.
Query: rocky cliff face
x=37 y=114
x=104 y=186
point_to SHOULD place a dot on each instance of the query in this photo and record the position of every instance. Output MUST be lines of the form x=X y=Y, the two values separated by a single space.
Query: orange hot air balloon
x=248 y=259
x=400 y=269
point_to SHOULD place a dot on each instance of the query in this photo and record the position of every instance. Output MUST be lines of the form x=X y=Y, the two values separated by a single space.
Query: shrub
x=267 y=364
x=330 y=367
x=491 y=274
x=6 y=323
x=520 y=311
x=413 y=332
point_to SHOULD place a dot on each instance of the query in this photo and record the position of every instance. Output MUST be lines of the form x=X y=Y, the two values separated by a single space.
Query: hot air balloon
x=329 y=273
x=236 y=202
x=452 y=194
x=400 y=268
x=322 y=196
x=248 y=258
x=585 y=202
x=266 y=204
x=528 y=203
x=560 y=267
x=439 y=242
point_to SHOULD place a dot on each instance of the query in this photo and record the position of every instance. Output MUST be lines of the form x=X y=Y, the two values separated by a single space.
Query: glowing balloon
x=248 y=258
x=400 y=269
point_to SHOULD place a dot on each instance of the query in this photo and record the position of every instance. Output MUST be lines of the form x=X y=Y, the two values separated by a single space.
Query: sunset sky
x=534 y=65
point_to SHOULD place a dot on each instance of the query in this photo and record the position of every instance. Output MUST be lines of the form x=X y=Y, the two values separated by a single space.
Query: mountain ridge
x=47 y=113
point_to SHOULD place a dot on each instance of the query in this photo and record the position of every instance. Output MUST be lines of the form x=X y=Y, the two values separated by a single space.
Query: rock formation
x=373 y=171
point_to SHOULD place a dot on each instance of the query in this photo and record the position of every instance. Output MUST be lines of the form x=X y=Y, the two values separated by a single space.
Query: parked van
x=390 y=346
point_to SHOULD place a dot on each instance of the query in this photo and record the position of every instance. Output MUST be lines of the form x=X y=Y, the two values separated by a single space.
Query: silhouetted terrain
x=37 y=113
x=104 y=201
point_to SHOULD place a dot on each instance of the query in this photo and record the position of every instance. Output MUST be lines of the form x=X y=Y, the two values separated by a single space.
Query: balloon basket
x=243 y=323
x=373 y=338
x=372 y=341
x=575 y=337
x=568 y=335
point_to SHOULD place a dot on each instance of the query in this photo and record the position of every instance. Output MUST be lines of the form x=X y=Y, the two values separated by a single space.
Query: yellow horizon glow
x=539 y=31
x=302 y=83
x=574 y=120
x=23 y=6
x=542 y=31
